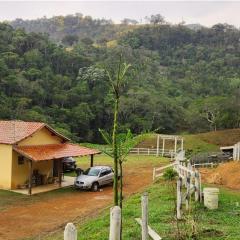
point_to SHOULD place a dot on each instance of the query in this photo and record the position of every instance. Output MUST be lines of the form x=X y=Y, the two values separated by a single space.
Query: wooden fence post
x=157 y=153
x=154 y=174
x=115 y=223
x=70 y=232
x=145 y=216
x=197 y=187
x=200 y=187
x=188 y=190
x=179 y=198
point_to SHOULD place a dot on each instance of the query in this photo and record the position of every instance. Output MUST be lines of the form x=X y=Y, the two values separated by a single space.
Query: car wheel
x=95 y=187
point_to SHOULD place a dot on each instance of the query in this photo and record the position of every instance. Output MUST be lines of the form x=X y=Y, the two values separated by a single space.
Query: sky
x=204 y=12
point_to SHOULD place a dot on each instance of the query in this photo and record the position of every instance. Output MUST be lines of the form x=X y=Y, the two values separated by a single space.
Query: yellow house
x=31 y=154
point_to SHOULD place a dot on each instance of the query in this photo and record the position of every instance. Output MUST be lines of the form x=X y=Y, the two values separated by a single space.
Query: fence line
x=153 y=151
x=196 y=165
x=158 y=172
x=146 y=229
x=70 y=232
x=188 y=177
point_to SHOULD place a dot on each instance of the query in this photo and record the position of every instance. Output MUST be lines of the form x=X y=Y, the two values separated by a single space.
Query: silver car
x=94 y=177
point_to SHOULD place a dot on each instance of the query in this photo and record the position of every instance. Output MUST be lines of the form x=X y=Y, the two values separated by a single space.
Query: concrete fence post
x=145 y=216
x=70 y=232
x=115 y=223
x=179 y=198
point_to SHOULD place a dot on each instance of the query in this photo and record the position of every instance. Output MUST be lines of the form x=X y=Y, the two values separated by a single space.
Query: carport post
x=60 y=172
x=91 y=165
x=30 y=177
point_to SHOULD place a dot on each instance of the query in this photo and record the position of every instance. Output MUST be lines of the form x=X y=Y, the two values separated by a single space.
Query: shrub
x=170 y=174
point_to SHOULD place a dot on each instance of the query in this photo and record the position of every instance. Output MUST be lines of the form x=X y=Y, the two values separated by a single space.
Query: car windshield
x=92 y=172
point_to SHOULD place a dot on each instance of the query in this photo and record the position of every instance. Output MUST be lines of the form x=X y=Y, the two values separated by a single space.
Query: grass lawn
x=193 y=144
x=211 y=224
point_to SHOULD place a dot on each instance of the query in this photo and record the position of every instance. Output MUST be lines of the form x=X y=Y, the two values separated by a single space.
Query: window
x=105 y=172
x=20 y=160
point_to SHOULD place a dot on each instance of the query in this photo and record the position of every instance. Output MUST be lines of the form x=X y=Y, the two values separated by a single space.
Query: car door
x=109 y=176
x=103 y=177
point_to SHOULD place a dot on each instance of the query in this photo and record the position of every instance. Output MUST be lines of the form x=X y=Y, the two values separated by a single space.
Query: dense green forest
x=181 y=79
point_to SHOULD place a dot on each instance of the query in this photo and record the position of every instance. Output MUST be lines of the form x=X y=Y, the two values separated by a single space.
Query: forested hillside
x=69 y=29
x=180 y=80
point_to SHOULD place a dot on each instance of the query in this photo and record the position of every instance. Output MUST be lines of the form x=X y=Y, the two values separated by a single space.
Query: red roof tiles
x=53 y=151
x=14 y=131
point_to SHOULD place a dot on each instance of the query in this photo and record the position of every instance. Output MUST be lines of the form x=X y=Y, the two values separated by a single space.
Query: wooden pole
x=70 y=232
x=179 y=198
x=115 y=223
x=151 y=232
x=60 y=172
x=158 y=145
x=145 y=216
x=163 y=147
x=197 y=187
x=182 y=144
x=30 y=164
x=188 y=190
x=91 y=165
x=154 y=174
x=175 y=145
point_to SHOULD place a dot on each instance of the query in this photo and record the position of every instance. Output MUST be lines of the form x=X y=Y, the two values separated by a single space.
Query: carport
x=37 y=156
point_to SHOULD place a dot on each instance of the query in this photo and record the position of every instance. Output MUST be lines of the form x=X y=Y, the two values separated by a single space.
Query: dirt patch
x=227 y=174
x=39 y=218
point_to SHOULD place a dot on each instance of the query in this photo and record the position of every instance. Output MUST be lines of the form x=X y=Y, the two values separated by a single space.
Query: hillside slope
x=210 y=141
x=180 y=80
x=221 y=138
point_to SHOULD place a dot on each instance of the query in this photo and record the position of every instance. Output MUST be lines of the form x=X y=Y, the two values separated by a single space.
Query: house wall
x=6 y=166
x=41 y=137
x=20 y=173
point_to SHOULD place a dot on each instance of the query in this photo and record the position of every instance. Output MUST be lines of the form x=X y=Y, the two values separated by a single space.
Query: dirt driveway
x=38 y=218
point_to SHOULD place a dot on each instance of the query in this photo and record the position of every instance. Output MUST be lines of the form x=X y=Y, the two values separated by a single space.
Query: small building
x=31 y=154
x=233 y=150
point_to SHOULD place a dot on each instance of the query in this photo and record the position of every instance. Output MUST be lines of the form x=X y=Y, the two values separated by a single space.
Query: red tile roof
x=14 y=131
x=54 y=151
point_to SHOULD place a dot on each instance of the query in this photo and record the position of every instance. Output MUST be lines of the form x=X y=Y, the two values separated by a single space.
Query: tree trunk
x=121 y=192
x=121 y=183
x=115 y=152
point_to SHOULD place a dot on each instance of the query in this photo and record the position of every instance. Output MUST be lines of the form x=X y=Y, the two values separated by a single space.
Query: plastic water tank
x=211 y=197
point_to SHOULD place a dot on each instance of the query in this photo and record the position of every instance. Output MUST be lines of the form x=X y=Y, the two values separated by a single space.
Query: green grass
x=212 y=224
x=193 y=144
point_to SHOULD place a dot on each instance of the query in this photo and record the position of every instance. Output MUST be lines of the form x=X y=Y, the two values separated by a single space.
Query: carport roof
x=54 y=151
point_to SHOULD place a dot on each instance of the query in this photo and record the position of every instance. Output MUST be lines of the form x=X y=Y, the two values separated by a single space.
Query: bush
x=170 y=174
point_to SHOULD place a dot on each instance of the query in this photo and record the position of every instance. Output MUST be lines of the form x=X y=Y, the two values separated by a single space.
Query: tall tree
x=116 y=80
